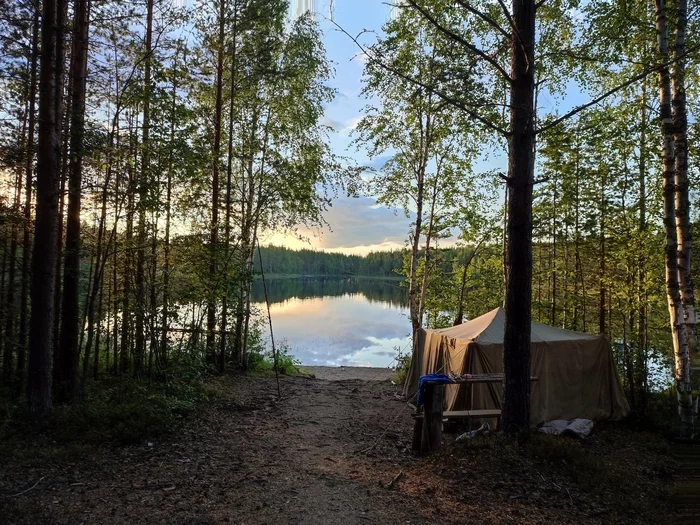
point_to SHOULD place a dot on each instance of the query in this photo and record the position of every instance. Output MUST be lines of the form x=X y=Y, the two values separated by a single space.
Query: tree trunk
x=506 y=265
x=578 y=272
x=166 y=242
x=521 y=141
x=229 y=174
x=64 y=157
x=48 y=163
x=96 y=361
x=216 y=154
x=126 y=276
x=144 y=180
x=673 y=293
x=26 y=241
x=115 y=276
x=2 y=279
x=153 y=299
x=553 y=304
x=642 y=298
x=420 y=169
x=426 y=254
x=66 y=375
x=682 y=199
x=91 y=297
x=8 y=336
x=59 y=243
x=602 y=329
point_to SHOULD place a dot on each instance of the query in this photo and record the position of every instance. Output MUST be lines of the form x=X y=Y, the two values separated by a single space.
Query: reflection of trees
x=375 y=290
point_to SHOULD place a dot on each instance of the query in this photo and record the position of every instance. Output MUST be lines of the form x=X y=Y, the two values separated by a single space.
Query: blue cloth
x=433 y=378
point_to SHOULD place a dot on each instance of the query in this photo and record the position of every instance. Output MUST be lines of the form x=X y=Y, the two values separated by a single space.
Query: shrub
x=262 y=361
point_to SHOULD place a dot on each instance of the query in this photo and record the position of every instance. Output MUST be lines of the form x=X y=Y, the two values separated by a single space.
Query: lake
x=337 y=321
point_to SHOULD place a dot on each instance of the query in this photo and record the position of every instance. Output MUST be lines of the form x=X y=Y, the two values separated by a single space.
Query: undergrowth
x=115 y=410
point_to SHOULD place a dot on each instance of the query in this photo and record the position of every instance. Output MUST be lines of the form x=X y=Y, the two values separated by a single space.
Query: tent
x=576 y=372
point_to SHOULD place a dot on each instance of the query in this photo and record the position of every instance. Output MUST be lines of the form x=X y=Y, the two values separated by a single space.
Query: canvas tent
x=576 y=373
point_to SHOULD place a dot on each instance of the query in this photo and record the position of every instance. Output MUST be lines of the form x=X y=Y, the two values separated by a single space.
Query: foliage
x=278 y=260
x=116 y=411
x=403 y=363
x=263 y=361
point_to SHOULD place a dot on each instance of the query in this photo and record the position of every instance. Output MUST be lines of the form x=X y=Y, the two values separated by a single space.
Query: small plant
x=403 y=363
x=262 y=361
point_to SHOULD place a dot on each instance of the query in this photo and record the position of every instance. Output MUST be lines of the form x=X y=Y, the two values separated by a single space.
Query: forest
x=147 y=146
x=277 y=260
x=543 y=154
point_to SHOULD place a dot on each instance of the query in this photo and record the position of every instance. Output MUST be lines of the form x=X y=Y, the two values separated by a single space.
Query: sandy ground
x=337 y=373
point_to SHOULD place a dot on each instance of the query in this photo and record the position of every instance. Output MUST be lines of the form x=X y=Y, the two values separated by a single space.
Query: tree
x=675 y=195
x=417 y=130
x=44 y=267
x=66 y=360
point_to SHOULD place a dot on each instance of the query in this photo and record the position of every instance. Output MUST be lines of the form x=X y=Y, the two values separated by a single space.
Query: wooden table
x=427 y=429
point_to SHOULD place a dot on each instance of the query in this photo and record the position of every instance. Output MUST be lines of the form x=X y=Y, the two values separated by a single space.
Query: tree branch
x=614 y=90
x=450 y=100
x=484 y=17
x=454 y=36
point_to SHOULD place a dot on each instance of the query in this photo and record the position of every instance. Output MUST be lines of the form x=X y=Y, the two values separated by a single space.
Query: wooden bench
x=466 y=414
x=425 y=435
x=427 y=428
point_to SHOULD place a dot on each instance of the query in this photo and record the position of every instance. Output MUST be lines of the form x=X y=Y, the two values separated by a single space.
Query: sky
x=356 y=225
x=359 y=225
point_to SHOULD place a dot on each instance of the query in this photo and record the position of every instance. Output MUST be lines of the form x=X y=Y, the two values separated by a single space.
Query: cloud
x=359 y=223
x=357 y=226
x=351 y=124
x=379 y=162
x=364 y=249
x=334 y=124
x=360 y=58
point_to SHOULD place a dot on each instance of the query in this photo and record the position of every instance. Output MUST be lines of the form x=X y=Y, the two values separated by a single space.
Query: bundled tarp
x=576 y=372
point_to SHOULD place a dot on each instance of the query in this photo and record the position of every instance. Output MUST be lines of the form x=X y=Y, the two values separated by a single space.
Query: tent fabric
x=576 y=372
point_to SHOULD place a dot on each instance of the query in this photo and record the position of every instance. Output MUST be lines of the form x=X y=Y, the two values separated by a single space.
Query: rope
x=272 y=335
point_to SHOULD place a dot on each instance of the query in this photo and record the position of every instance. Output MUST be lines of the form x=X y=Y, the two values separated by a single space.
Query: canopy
x=576 y=372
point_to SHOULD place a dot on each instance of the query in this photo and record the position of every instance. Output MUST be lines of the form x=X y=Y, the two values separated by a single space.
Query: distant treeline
x=283 y=261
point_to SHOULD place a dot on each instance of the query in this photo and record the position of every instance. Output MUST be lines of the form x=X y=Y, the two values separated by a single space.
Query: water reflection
x=333 y=322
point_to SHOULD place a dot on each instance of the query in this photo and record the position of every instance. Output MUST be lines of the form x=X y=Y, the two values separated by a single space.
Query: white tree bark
x=675 y=305
x=682 y=200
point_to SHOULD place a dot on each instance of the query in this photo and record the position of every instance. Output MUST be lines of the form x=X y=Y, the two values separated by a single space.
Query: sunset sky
x=357 y=225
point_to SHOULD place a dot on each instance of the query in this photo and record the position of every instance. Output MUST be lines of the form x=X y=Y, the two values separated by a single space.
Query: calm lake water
x=334 y=322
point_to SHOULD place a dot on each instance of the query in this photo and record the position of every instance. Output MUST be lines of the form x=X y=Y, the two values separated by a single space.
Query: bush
x=261 y=361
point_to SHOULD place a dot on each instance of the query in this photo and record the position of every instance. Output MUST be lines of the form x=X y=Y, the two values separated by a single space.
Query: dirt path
x=325 y=453
x=328 y=453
